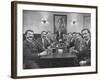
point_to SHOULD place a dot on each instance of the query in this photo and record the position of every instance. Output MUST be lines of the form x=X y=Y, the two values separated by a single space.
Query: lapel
x=40 y=41
x=89 y=44
x=45 y=43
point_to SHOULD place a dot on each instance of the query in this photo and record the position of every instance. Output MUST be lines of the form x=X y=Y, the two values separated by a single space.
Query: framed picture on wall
x=60 y=23
x=50 y=39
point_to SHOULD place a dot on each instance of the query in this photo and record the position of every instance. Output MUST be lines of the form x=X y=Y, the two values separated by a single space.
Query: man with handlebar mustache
x=31 y=51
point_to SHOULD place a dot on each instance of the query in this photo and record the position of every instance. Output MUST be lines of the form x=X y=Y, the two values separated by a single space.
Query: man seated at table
x=31 y=51
x=85 y=56
x=82 y=48
x=44 y=41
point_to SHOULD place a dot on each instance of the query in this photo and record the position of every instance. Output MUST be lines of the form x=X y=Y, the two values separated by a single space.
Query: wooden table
x=56 y=59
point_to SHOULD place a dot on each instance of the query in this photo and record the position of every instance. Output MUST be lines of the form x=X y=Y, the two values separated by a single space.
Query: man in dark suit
x=85 y=55
x=59 y=36
x=44 y=41
x=31 y=51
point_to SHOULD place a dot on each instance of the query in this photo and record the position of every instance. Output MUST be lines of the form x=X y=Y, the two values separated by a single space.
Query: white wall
x=78 y=18
x=32 y=20
x=5 y=41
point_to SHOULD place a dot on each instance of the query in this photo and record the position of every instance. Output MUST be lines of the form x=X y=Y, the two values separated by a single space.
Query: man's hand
x=82 y=63
x=72 y=50
x=43 y=53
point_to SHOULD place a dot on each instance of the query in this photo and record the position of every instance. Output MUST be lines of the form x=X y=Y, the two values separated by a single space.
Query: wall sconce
x=43 y=20
x=74 y=21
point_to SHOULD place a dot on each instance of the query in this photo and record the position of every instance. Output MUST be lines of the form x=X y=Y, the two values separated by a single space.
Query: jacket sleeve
x=29 y=53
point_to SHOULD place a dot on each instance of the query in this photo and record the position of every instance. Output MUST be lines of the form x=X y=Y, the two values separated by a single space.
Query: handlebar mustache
x=30 y=37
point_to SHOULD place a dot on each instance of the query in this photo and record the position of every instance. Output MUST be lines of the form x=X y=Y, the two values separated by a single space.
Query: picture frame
x=60 y=19
x=37 y=17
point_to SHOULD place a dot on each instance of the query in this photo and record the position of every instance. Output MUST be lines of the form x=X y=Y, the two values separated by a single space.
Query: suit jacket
x=45 y=44
x=59 y=35
x=30 y=53
x=84 y=50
